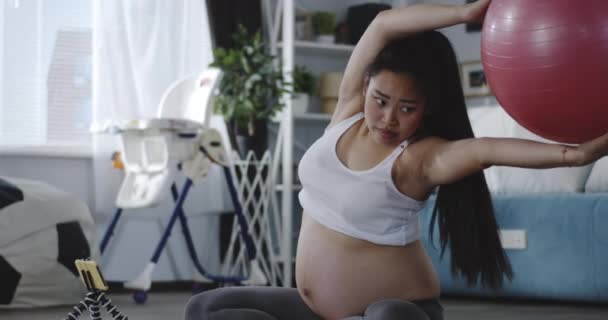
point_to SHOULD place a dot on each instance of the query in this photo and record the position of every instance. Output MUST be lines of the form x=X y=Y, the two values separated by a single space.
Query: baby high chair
x=155 y=150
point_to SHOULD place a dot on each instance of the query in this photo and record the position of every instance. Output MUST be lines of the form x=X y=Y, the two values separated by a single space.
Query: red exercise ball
x=547 y=64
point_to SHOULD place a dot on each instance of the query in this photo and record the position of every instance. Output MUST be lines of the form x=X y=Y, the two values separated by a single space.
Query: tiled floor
x=170 y=305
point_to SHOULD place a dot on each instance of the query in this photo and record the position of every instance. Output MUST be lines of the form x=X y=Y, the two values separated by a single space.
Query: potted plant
x=250 y=91
x=324 y=24
x=303 y=87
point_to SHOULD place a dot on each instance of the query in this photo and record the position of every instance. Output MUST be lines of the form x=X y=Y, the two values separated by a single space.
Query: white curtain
x=139 y=48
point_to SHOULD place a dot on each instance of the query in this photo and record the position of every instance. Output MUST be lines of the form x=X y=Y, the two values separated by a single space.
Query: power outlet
x=514 y=239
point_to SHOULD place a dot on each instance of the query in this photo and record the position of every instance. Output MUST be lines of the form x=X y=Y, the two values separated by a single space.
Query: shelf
x=313 y=116
x=300 y=45
x=281 y=187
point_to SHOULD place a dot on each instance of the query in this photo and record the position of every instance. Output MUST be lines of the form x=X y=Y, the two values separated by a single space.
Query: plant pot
x=326 y=38
x=329 y=84
x=258 y=142
x=300 y=103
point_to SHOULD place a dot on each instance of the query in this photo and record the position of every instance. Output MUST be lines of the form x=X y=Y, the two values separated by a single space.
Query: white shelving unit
x=281 y=22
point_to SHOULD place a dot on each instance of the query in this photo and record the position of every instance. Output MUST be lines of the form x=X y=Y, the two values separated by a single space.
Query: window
x=45 y=72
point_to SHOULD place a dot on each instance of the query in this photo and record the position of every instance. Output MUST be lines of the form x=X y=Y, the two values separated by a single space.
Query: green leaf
x=245 y=65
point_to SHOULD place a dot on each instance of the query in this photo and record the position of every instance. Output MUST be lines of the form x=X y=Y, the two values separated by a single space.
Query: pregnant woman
x=399 y=132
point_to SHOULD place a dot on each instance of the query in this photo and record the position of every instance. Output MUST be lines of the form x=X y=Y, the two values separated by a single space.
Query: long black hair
x=463 y=209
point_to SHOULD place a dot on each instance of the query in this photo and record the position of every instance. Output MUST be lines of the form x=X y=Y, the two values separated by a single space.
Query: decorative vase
x=326 y=38
x=300 y=103
x=329 y=86
x=258 y=142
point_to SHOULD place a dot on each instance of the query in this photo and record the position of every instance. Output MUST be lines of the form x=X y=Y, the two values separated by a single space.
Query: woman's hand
x=594 y=149
x=475 y=12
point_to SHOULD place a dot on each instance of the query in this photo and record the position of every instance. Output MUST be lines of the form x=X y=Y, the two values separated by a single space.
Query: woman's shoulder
x=344 y=118
x=411 y=167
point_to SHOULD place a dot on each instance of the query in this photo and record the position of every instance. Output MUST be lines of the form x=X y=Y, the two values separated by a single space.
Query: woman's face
x=393 y=107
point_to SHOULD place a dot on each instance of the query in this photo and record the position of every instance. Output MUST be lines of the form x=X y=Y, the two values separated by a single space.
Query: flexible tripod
x=92 y=302
x=95 y=298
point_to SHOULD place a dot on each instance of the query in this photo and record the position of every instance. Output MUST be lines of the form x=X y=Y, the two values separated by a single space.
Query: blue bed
x=567 y=247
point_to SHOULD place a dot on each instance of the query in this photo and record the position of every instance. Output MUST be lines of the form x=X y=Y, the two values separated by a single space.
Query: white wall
x=466 y=45
x=69 y=174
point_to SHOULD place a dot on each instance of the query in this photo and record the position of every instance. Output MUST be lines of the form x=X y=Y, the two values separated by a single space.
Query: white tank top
x=362 y=204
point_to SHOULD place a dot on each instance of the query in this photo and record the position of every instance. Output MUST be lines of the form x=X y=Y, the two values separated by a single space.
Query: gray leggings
x=272 y=303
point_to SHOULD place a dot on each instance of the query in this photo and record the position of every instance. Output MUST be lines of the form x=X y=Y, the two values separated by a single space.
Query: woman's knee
x=232 y=303
x=204 y=303
x=396 y=309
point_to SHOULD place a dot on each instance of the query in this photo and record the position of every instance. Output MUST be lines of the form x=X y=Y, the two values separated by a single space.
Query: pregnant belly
x=339 y=276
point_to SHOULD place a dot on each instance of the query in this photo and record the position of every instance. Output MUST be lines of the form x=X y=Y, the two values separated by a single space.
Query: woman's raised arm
x=449 y=161
x=389 y=25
